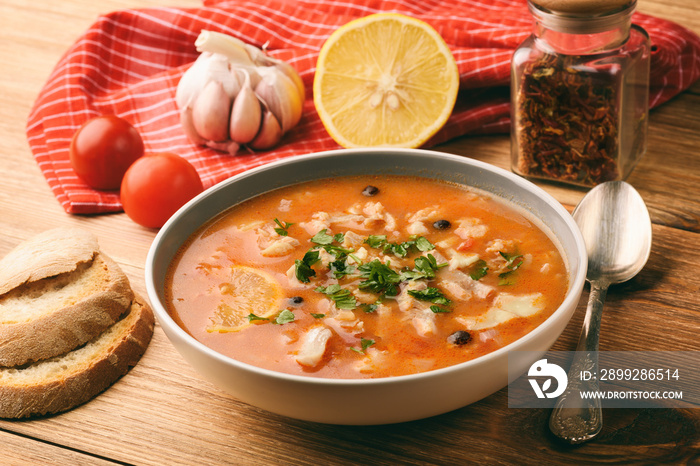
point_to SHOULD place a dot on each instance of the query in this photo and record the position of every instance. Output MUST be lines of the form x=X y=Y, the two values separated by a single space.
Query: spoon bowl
x=616 y=228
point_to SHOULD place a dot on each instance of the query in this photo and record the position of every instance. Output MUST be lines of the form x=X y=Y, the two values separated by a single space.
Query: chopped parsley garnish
x=252 y=317
x=283 y=228
x=302 y=268
x=368 y=308
x=425 y=267
x=511 y=258
x=419 y=243
x=339 y=252
x=284 y=317
x=438 y=309
x=423 y=245
x=342 y=298
x=322 y=238
x=376 y=241
x=379 y=278
x=432 y=294
x=478 y=270
x=375 y=276
x=318 y=316
x=340 y=268
x=364 y=343
x=355 y=258
x=513 y=263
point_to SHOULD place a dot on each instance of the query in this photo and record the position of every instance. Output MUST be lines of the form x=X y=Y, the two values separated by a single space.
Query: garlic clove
x=231 y=81
x=219 y=69
x=251 y=75
x=294 y=100
x=270 y=132
x=261 y=59
x=246 y=115
x=187 y=123
x=208 y=67
x=210 y=112
x=281 y=96
x=191 y=82
x=292 y=74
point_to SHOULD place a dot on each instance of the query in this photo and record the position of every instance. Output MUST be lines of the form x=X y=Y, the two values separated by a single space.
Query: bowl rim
x=578 y=276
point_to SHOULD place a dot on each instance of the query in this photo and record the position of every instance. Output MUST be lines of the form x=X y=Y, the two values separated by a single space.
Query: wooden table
x=162 y=412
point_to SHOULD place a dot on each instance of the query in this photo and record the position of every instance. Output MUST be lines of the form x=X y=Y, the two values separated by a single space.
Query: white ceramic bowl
x=367 y=401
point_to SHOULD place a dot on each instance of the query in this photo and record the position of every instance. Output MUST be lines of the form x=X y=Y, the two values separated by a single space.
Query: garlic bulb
x=234 y=94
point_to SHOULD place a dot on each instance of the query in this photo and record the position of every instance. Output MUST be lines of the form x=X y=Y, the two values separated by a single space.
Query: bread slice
x=57 y=292
x=50 y=253
x=64 y=382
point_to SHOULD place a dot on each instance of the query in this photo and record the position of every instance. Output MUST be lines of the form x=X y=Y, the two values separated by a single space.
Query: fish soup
x=365 y=277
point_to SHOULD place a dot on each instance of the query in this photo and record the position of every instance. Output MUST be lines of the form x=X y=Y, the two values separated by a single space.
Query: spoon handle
x=574 y=419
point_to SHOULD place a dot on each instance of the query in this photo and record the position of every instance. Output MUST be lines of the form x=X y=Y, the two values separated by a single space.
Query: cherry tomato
x=102 y=150
x=156 y=186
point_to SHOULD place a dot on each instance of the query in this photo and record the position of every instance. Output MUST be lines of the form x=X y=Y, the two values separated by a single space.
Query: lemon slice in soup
x=249 y=292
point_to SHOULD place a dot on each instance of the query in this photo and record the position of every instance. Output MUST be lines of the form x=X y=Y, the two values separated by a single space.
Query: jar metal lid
x=583 y=7
x=582 y=16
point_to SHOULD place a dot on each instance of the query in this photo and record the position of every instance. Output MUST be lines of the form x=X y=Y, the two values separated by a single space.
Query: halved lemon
x=385 y=80
x=249 y=293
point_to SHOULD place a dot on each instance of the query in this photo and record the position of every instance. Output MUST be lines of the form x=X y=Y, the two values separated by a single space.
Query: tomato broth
x=363 y=277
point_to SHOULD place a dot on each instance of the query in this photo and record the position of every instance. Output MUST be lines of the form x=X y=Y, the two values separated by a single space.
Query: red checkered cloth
x=129 y=63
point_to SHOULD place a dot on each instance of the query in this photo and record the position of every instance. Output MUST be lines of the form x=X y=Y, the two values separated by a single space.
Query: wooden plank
x=16 y=450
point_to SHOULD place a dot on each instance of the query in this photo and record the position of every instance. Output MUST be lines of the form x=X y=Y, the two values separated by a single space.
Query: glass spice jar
x=580 y=92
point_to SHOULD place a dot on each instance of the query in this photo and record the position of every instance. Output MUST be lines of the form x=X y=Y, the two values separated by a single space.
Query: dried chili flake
x=568 y=121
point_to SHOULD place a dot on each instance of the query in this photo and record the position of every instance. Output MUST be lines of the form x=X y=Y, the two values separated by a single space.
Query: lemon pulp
x=249 y=291
x=385 y=80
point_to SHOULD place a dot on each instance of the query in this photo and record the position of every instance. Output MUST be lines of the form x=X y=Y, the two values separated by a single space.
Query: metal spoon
x=616 y=228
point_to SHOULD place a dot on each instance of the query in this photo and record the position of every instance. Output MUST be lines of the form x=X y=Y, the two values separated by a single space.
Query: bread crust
x=48 y=334
x=49 y=253
x=62 y=383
